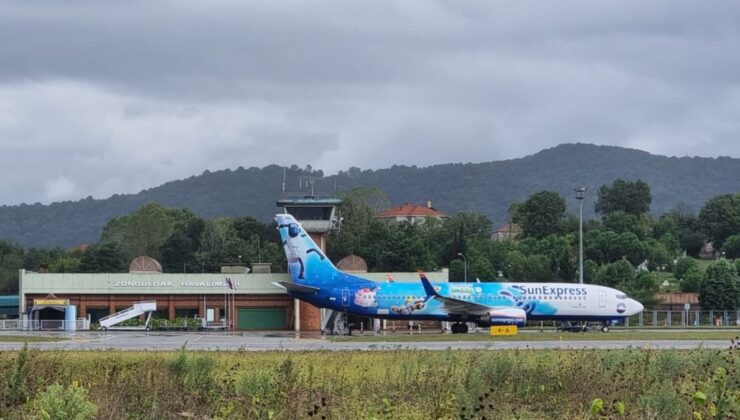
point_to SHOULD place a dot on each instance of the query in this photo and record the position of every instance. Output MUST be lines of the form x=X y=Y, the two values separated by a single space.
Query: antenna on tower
x=284 y=172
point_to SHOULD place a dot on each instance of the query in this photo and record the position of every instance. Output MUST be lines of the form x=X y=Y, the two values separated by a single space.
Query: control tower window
x=310 y=213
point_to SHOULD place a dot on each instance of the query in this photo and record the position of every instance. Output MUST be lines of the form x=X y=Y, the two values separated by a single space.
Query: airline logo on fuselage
x=551 y=291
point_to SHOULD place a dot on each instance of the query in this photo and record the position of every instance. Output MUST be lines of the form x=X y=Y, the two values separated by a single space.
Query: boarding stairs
x=334 y=322
x=138 y=309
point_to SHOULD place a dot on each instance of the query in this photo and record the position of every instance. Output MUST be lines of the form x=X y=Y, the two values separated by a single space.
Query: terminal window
x=310 y=213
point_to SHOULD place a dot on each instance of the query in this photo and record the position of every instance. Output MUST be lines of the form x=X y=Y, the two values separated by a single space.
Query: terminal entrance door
x=262 y=319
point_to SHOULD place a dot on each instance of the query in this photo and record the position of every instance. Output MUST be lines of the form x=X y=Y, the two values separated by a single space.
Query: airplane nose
x=636 y=306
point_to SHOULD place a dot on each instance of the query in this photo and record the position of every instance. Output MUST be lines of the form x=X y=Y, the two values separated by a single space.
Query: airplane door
x=345 y=297
x=602 y=299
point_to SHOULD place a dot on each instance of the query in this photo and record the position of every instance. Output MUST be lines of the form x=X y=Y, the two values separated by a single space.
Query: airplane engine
x=507 y=316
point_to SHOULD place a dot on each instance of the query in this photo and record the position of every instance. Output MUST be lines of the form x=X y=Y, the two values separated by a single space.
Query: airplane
x=317 y=281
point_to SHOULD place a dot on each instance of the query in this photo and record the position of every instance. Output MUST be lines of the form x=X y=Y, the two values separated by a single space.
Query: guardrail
x=654 y=318
x=48 y=325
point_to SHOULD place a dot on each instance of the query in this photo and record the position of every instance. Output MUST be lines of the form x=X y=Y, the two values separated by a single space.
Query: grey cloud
x=112 y=97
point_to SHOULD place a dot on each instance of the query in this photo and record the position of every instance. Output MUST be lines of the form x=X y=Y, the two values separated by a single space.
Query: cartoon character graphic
x=294 y=247
x=621 y=308
x=366 y=297
x=410 y=306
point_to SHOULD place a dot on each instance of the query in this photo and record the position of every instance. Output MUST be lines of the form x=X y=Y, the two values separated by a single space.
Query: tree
x=218 y=244
x=683 y=266
x=629 y=197
x=542 y=214
x=642 y=288
x=11 y=260
x=621 y=222
x=719 y=290
x=357 y=209
x=619 y=272
x=144 y=231
x=590 y=271
x=731 y=246
x=720 y=218
x=103 y=258
x=691 y=281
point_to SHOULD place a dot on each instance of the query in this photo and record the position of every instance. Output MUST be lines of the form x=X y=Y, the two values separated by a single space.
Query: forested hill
x=483 y=187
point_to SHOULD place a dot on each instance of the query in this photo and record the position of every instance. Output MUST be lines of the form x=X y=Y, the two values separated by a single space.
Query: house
x=410 y=213
x=507 y=231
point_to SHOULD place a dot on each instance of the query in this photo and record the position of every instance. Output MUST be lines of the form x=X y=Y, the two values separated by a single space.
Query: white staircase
x=138 y=309
x=334 y=322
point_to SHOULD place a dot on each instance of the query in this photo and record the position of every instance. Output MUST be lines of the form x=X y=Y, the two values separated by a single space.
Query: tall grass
x=636 y=383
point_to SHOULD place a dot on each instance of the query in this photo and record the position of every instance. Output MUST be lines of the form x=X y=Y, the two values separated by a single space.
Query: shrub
x=58 y=402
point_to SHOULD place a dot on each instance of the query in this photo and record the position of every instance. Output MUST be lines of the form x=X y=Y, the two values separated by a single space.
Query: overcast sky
x=105 y=97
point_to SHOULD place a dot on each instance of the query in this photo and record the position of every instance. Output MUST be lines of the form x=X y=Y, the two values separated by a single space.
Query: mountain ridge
x=487 y=187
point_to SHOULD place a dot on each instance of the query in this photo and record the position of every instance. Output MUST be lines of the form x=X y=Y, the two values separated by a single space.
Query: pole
x=580 y=244
x=465 y=266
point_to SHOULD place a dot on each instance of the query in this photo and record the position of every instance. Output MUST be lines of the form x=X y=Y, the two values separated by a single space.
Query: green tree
x=720 y=218
x=691 y=280
x=641 y=287
x=405 y=250
x=11 y=260
x=65 y=264
x=542 y=214
x=731 y=246
x=528 y=268
x=590 y=271
x=357 y=210
x=629 y=197
x=619 y=272
x=103 y=258
x=145 y=231
x=620 y=222
x=683 y=266
x=720 y=289
x=219 y=244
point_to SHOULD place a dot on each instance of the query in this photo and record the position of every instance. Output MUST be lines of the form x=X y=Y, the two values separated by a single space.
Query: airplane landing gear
x=459 y=328
x=605 y=328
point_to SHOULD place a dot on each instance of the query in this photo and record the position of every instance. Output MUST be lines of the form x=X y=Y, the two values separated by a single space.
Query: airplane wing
x=452 y=305
x=296 y=288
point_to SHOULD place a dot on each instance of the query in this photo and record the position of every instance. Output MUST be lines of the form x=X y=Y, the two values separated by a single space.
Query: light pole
x=465 y=262
x=580 y=192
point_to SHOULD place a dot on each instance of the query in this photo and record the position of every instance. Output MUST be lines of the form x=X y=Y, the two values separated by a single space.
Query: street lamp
x=240 y=260
x=465 y=261
x=580 y=192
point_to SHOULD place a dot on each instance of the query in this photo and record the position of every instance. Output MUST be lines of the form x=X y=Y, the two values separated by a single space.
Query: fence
x=47 y=325
x=684 y=319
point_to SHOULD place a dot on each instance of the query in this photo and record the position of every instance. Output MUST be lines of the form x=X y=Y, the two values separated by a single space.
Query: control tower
x=318 y=216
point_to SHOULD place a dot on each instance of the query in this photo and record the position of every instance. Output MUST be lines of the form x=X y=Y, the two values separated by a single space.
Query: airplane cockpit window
x=621 y=296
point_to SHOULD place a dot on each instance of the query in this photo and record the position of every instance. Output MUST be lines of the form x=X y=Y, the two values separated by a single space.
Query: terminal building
x=251 y=303
x=232 y=299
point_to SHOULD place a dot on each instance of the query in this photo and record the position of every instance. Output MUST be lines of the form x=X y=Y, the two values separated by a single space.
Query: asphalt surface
x=262 y=341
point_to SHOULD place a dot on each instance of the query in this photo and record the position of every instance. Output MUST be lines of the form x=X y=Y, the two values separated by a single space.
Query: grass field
x=403 y=384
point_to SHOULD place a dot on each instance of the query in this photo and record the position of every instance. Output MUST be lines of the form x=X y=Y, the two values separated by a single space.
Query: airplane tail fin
x=307 y=264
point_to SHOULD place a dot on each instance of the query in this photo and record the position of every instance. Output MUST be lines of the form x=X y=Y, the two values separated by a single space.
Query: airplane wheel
x=104 y=328
x=464 y=328
x=605 y=329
